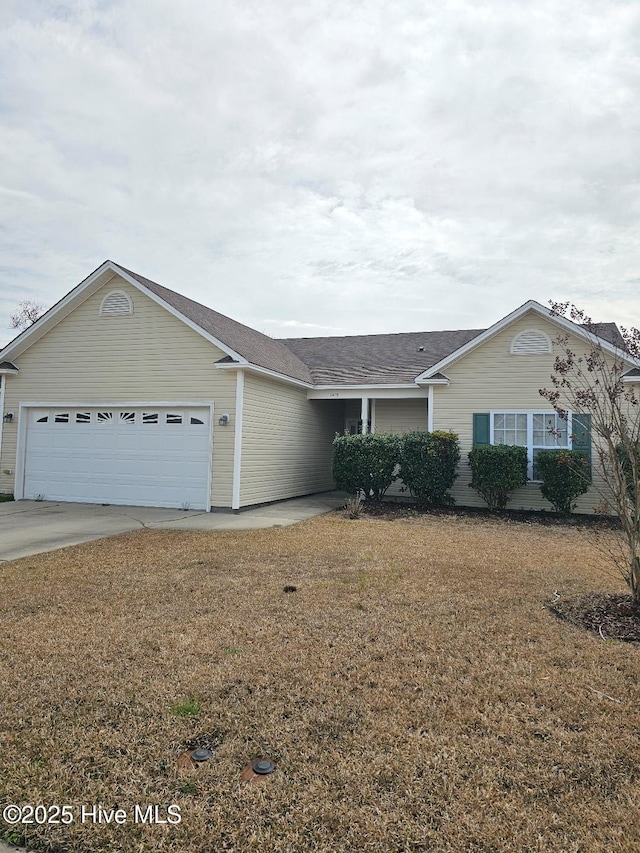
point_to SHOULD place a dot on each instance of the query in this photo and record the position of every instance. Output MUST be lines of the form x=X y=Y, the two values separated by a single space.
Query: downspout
x=430 y=410
x=237 y=441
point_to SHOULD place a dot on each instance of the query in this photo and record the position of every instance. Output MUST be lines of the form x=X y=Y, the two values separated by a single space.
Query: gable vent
x=116 y=304
x=531 y=342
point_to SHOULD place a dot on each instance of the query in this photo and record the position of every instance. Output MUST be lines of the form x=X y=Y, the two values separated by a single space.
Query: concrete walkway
x=32 y=527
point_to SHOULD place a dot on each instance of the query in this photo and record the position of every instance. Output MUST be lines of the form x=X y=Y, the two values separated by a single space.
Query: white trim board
x=237 y=440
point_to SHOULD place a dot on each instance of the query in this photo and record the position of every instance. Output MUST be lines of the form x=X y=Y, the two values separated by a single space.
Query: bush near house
x=497 y=470
x=365 y=463
x=564 y=475
x=428 y=463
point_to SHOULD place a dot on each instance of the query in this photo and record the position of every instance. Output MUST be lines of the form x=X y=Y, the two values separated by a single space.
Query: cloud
x=370 y=168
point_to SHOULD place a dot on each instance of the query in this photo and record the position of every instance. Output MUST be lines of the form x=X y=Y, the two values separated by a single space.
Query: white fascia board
x=531 y=305
x=160 y=301
x=272 y=374
x=8 y=371
x=631 y=379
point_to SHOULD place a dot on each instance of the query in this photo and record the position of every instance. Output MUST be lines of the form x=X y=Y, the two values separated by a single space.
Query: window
x=83 y=417
x=105 y=417
x=196 y=421
x=534 y=430
x=127 y=417
x=61 y=418
x=150 y=418
x=173 y=418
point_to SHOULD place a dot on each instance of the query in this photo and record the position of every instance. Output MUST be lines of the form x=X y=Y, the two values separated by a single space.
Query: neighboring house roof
x=609 y=332
x=257 y=348
x=376 y=359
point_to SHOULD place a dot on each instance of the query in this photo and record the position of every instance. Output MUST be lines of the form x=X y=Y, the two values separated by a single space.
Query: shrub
x=353 y=507
x=365 y=464
x=497 y=470
x=564 y=475
x=428 y=463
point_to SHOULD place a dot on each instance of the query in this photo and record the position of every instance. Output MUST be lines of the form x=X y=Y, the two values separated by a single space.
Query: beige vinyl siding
x=490 y=379
x=400 y=416
x=286 y=441
x=149 y=356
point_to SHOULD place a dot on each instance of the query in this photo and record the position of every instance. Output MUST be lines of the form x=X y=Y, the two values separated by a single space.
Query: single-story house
x=126 y=392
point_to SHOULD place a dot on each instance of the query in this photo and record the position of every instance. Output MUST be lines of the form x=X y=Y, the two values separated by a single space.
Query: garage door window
x=62 y=418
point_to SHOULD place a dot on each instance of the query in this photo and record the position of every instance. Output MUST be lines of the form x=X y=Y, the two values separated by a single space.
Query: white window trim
x=530 y=448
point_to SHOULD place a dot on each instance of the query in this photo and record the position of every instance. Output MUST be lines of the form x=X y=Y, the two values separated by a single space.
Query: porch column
x=364 y=415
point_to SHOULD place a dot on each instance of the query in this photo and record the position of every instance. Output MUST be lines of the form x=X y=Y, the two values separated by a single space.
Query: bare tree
x=26 y=315
x=591 y=385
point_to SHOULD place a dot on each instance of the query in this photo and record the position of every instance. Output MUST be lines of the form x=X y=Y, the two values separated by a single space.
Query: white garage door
x=147 y=456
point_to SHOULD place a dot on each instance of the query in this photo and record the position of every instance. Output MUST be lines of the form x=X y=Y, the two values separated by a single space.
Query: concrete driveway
x=31 y=527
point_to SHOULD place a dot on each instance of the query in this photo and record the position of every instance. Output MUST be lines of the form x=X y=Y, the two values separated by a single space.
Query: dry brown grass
x=415 y=691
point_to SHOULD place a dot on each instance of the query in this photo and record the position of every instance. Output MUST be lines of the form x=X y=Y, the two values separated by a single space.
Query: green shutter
x=581 y=435
x=481 y=424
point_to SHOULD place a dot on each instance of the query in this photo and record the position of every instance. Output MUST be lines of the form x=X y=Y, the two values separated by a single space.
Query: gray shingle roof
x=252 y=345
x=376 y=359
x=351 y=360
x=610 y=333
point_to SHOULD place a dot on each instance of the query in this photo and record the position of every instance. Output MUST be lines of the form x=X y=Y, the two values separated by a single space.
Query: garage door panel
x=147 y=457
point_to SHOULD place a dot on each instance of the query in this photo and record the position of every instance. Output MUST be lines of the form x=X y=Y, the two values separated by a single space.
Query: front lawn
x=414 y=690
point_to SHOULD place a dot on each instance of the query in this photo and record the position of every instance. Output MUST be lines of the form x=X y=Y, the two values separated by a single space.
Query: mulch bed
x=612 y=617
x=389 y=510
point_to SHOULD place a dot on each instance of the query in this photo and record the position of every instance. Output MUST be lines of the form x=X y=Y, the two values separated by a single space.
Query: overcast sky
x=326 y=167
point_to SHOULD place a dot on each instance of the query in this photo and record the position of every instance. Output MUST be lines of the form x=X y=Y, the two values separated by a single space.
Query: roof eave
x=254 y=368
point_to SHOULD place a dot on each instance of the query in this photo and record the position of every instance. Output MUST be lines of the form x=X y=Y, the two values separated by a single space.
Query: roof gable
x=241 y=344
x=608 y=334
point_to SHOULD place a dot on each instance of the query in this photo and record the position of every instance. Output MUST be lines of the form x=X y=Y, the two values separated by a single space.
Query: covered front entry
x=152 y=455
x=386 y=415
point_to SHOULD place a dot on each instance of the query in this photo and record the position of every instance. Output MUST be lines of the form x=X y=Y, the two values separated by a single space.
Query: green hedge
x=365 y=464
x=564 y=475
x=497 y=470
x=428 y=463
